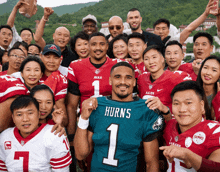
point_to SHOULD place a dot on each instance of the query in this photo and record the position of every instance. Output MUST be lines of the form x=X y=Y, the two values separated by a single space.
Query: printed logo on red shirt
x=199 y=138
x=7 y=145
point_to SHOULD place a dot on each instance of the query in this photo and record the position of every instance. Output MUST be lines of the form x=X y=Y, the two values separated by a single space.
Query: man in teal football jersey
x=118 y=126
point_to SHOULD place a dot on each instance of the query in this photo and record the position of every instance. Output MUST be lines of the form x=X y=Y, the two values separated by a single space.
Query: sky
x=55 y=3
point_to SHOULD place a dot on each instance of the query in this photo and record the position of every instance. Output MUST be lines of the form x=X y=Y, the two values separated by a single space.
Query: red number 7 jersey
x=92 y=81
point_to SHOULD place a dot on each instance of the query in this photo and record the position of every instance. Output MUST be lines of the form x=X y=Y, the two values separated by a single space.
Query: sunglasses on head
x=117 y=27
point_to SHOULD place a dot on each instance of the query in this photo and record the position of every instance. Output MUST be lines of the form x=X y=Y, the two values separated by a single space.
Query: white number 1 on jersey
x=113 y=129
x=96 y=88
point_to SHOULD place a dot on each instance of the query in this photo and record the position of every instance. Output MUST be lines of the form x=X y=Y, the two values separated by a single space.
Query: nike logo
x=159 y=90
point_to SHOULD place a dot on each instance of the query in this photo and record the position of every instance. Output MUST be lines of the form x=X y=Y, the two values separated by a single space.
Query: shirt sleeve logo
x=158 y=123
x=7 y=145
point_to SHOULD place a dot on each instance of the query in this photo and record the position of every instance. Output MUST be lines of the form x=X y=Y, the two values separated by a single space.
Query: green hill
x=71 y=8
x=7 y=7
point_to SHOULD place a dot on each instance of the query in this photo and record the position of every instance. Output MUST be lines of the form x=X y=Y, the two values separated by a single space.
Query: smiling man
x=30 y=146
x=115 y=27
x=89 y=77
x=105 y=123
x=189 y=129
x=174 y=58
x=136 y=47
x=157 y=84
x=15 y=58
x=134 y=19
x=89 y=24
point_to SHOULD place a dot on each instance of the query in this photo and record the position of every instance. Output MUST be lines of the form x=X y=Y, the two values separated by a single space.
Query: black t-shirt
x=152 y=39
x=68 y=57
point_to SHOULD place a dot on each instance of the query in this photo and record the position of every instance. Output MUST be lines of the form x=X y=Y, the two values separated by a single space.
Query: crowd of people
x=109 y=103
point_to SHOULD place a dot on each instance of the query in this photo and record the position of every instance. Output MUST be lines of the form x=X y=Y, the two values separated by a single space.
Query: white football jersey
x=41 y=151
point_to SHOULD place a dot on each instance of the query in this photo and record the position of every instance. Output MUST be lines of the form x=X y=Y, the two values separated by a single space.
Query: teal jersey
x=118 y=130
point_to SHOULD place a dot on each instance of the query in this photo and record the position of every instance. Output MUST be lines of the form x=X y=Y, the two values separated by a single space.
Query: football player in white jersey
x=30 y=146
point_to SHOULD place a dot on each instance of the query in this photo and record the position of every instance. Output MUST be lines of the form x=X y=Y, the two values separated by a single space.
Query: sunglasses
x=112 y=27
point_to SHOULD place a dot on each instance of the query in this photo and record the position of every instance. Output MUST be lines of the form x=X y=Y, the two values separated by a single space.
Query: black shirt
x=68 y=57
x=152 y=39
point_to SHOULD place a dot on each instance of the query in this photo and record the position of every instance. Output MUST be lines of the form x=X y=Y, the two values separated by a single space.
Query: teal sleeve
x=153 y=125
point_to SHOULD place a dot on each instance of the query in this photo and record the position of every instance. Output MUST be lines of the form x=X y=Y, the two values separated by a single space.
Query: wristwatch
x=166 y=112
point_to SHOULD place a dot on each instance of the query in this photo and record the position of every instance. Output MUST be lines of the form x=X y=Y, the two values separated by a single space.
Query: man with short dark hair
x=15 y=58
x=30 y=146
x=174 y=56
x=202 y=45
x=157 y=84
x=134 y=19
x=136 y=47
x=92 y=80
x=115 y=27
x=89 y=24
x=162 y=26
x=189 y=130
x=34 y=49
x=106 y=122
x=6 y=36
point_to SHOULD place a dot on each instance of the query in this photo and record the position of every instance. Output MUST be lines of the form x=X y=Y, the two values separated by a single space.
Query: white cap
x=90 y=17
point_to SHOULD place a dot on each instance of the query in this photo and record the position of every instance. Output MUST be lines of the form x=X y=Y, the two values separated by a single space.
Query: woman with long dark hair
x=208 y=77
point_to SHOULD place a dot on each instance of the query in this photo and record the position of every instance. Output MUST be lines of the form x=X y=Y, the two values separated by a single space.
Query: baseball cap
x=89 y=17
x=52 y=48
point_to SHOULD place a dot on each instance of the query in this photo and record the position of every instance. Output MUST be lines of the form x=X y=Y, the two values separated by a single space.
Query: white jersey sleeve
x=59 y=153
x=6 y=145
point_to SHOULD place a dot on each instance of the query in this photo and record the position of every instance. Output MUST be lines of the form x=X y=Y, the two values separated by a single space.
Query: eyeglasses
x=118 y=27
x=21 y=57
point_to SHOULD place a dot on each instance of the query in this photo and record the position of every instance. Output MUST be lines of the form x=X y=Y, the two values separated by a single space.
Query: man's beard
x=122 y=96
x=134 y=28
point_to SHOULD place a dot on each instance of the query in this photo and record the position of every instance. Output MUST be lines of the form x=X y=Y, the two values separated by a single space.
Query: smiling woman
x=32 y=69
x=208 y=77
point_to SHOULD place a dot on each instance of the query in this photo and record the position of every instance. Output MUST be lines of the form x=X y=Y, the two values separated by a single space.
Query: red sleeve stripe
x=59 y=159
x=2 y=166
x=63 y=166
x=57 y=163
